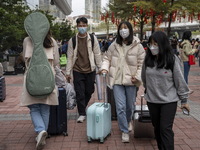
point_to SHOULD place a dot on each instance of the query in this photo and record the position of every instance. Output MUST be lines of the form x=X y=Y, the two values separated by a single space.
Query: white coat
x=132 y=66
x=53 y=57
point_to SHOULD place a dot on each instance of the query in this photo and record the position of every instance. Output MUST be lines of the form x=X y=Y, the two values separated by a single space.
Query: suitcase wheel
x=65 y=133
x=89 y=139
x=101 y=140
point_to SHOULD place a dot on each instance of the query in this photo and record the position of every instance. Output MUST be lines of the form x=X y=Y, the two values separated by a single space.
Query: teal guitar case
x=40 y=81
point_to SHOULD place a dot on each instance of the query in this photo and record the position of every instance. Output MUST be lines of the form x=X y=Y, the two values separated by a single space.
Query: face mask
x=154 y=50
x=82 y=30
x=124 y=33
x=110 y=39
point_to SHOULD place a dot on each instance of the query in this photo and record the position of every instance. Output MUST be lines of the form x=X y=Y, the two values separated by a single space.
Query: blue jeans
x=125 y=97
x=40 y=116
x=186 y=70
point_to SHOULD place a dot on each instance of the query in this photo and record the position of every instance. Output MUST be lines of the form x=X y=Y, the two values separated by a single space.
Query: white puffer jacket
x=132 y=66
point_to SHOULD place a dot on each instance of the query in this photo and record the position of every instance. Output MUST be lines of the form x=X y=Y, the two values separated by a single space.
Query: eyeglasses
x=149 y=45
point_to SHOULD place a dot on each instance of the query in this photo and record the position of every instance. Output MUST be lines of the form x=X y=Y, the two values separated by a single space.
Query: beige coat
x=94 y=54
x=53 y=57
x=186 y=50
x=132 y=66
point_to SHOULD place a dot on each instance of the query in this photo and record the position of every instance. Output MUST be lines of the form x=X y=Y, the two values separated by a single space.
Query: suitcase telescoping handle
x=142 y=97
x=105 y=99
x=145 y=118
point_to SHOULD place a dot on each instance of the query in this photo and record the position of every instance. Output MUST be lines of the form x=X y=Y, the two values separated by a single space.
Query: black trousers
x=162 y=117
x=84 y=88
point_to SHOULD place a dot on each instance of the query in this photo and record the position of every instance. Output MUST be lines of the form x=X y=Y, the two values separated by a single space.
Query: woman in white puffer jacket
x=123 y=61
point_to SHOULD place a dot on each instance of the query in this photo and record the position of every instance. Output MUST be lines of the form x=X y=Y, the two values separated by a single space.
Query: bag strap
x=74 y=41
x=92 y=40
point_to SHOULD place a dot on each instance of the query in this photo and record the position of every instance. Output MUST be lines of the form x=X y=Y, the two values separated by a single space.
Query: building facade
x=93 y=9
x=57 y=8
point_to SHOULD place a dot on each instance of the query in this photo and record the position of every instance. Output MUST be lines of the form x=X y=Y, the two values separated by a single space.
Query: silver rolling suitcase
x=143 y=127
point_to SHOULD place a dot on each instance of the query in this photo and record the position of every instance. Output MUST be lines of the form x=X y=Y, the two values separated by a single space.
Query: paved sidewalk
x=16 y=129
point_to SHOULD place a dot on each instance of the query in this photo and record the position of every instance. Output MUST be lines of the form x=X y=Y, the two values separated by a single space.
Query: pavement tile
x=71 y=144
x=53 y=145
x=185 y=147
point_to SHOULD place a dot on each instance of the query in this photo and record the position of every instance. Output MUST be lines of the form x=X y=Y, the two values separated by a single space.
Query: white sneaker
x=43 y=143
x=41 y=140
x=80 y=119
x=125 y=137
x=130 y=126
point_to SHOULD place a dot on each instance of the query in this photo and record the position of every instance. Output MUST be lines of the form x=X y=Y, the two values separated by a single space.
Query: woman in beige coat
x=123 y=61
x=39 y=108
x=185 y=52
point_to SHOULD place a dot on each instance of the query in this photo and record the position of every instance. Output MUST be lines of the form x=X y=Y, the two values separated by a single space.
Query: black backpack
x=105 y=47
x=74 y=41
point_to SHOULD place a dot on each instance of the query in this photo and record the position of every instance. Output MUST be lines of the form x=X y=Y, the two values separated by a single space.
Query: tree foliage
x=12 y=32
x=156 y=11
x=12 y=15
x=62 y=31
x=122 y=9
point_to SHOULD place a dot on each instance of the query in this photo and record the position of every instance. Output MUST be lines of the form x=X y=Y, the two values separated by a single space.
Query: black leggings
x=162 y=116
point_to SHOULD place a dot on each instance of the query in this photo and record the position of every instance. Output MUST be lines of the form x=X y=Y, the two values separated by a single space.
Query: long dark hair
x=48 y=41
x=165 y=57
x=186 y=35
x=129 y=39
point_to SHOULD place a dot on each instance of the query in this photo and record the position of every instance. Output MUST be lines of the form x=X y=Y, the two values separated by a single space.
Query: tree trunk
x=169 y=25
x=141 y=30
x=153 y=24
x=107 y=28
x=170 y=20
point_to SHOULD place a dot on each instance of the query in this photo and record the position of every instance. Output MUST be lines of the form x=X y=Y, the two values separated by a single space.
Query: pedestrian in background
x=196 y=45
x=174 y=44
x=64 y=47
x=186 y=50
x=82 y=62
x=199 y=53
x=40 y=108
x=123 y=62
x=164 y=86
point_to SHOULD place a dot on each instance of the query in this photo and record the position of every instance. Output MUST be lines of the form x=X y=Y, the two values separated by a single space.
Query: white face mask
x=124 y=33
x=110 y=39
x=154 y=49
x=82 y=30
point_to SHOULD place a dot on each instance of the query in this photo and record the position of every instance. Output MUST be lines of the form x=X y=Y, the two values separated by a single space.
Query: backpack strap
x=92 y=40
x=74 y=41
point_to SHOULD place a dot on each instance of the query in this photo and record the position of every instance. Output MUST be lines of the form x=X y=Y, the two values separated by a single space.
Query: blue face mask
x=82 y=30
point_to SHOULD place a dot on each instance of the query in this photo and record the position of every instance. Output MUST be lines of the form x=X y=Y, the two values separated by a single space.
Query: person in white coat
x=123 y=62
